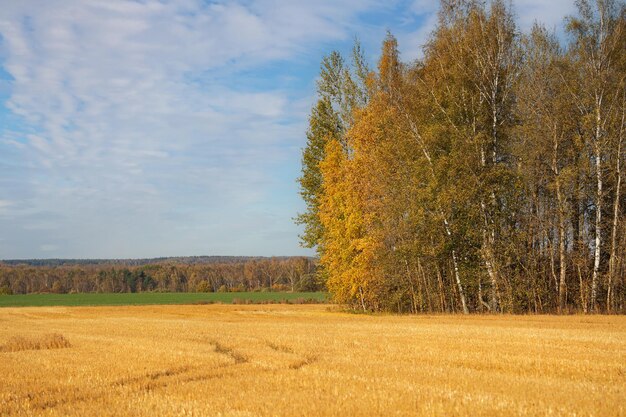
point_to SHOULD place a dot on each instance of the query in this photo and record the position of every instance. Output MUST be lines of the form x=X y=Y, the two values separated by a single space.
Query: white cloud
x=550 y=13
x=421 y=7
x=138 y=116
x=134 y=109
x=412 y=43
x=6 y=207
x=48 y=247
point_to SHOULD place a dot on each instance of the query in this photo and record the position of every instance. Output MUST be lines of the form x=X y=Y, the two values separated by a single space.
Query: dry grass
x=47 y=341
x=293 y=360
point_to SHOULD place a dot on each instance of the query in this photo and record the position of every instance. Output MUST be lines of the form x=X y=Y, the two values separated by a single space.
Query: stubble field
x=275 y=360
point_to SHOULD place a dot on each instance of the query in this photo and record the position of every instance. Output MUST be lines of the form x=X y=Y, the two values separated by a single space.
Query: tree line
x=136 y=261
x=234 y=274
x=487 y=176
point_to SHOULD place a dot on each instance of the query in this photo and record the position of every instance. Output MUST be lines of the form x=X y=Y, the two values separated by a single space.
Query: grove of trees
x=487 y=176
x=217 y=275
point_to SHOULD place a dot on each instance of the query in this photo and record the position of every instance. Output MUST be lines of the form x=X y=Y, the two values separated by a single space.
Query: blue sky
x=162 y=128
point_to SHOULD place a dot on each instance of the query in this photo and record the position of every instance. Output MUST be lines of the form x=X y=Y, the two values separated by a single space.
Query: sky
x=132 y=129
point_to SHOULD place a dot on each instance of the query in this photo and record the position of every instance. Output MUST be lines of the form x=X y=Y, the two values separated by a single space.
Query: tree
x=342 y=248
x=340 y=90
x=597 y=47
x=487 y=175
x=548 y=132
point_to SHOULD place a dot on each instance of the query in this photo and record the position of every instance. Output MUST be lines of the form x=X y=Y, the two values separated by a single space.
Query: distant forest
x=486 y=176
x=187 y=260
x=180 y=274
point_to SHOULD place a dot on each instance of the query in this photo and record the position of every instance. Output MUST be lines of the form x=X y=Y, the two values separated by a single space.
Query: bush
x=203 y=286
x=57 y=288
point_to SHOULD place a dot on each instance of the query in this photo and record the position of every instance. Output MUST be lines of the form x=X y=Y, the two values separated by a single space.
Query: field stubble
x=306 y=360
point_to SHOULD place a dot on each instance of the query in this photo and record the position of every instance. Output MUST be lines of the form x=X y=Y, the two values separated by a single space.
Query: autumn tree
x=341 y=89
x=486 y=176
x=548 y=149
x=597 y=49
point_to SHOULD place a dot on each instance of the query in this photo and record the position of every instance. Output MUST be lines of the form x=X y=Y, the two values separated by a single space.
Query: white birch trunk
x=598 y=223
x=562 y=229
x=616 y=210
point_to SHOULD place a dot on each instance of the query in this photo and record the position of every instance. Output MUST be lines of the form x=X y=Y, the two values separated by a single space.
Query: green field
x=92 y=299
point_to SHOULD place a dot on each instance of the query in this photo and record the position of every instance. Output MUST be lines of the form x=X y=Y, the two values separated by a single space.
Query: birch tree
x=597 y=47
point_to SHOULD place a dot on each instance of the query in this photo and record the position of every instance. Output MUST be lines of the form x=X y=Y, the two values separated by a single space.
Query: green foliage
x=324 y=124
x=341 y=90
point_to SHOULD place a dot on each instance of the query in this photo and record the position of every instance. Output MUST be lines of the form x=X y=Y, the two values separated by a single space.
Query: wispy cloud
x=49 y=247
x=550 y=13
x=143 y=128
x=132 y=118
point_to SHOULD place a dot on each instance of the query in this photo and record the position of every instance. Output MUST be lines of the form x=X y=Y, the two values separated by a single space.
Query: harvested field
x=47 y=341
x=250 y=360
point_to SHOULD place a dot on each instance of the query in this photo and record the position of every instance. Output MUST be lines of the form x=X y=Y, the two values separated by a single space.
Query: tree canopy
x=486 y=176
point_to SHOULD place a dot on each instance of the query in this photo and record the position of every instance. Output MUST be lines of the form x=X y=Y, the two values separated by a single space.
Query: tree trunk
x=562 y=228
x=457 y=275
x=598 y=225
x=616 y=212
x=488 y=259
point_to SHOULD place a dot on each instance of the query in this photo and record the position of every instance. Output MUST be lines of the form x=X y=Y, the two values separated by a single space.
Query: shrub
x=57 y=288
x=203 y=286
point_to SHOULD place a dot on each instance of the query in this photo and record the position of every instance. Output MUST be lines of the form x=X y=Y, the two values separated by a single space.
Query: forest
x=486 y=176
x=207 y=274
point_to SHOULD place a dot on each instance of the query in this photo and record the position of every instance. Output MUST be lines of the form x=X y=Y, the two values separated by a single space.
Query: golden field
x=308 y=360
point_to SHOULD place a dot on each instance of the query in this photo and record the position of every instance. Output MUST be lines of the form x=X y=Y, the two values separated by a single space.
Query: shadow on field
x=47 y=341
